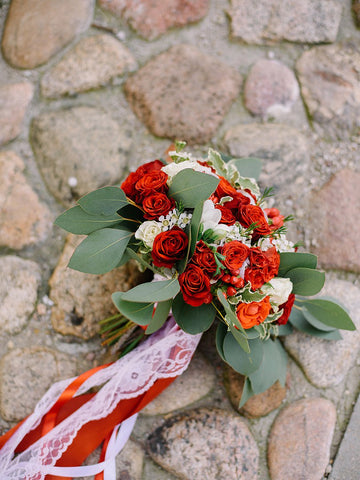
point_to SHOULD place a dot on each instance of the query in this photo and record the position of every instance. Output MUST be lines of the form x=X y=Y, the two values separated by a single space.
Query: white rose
x=278 y=290
x=173 y=168
x=148 y=231
x=210 y=216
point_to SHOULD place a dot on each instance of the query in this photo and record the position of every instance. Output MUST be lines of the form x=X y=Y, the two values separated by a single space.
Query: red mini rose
x=195 y=286
x=169 y=247
x=253 y=313
x=287 y=306
x=225 y=189
x=128 y=185
x=277 y=220
x=227 y=217
x=264 y=266
x=235 y=254
x=250 y=214
x=152 y=182
x=156 y=205
x=204 y=258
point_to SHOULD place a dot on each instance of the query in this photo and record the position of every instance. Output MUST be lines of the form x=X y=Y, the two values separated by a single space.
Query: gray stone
x=19 y=282
x=308 y=21
x=152 y=19
x=25 y=376
x=347 y=461
x=178 y=89
x=327 y=362
x=270 y=89
x=37 y=29
x=186 y=389
x=356 y=10
x=205 y=443
x=14 y=100
x=81 y=144
x=336 y=250
x=300 y=440
x=82 y=300
x=19 y=226
x=329 y=76
x=92 y=63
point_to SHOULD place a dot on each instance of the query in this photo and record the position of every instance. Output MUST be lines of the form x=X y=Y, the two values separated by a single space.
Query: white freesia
x=148 y=231
x=210 y=216
x=173 y=168
x=278 y=290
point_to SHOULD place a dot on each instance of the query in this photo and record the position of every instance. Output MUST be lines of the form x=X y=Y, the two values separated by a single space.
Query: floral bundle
x=216 y=252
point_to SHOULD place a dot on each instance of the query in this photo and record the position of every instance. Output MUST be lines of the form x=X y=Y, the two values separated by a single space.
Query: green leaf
x=76 y=220
x=290 y=260
x=137 y=312
x=285 y=329
x=238 y=335
x=272 y=368
x=190 y=187
x=252 y=333
x=247 y=392
x=306 y=281
x=101 y=251
x=221 y=331
x=104 y=201
x=153 y=291
x=192 y=320
x=130 y=252
x=215 y=159
x=300 y=323
x=160 y=316
x=329 y=313
x=315 y=322
x=242 y=362
x=249 y=167
x=195 y=225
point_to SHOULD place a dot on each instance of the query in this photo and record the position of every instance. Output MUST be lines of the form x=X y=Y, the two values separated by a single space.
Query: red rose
x=204 y=258
x=195 y=286
x=249 y=214
x=152 y=182
x=227 y=216
x=256 y=277
x=156 y=205
x=225 y=189
x=128 y=185
x=235 y=254
x=169 y=247
x=263 y=266
x=287 y=306
x=277 y=220
x=253 y=313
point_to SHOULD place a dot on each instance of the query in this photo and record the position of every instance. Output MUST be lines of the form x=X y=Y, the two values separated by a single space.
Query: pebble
x=14 y=101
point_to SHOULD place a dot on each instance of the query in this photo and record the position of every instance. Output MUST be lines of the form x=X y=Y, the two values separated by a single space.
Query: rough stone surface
x=31 y=370
x=92 y=63
x=185 y=390
x=324 y=362
x=336 y=250
x=212 y=441
x=81 y=300
x=151 y=19
x=283 y=148
x=356 y=10
x=300 y=440
x=81 y=143
x=19 y=226
x=309 y=21
x=330 y=85
x=178 y=89
x=37 y=29
x=19 y=282
x=258 y=405
x=14 y=100
x=270 y=89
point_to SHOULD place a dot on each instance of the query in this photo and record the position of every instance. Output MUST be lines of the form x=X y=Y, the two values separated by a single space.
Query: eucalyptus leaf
x=249 y=167
x=190 y=187
x=242 y=362
x=221 y=331
x=329 y=313
x=138 y=312
x=153 y=291
x=315 y=322
x=284 y=330
x=238 y=335
x=191 y=319
x=160 y=316
x=76 y=220
x=290 y=260
x=229 y=311
x=195 y=225
x=101 y=251
x=306 y=281
x=298 y=320
x=138 y=258
x=247 y=392
x=103 y=201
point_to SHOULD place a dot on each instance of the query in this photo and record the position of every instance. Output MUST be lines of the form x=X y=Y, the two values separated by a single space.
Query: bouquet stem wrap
x=69 y=423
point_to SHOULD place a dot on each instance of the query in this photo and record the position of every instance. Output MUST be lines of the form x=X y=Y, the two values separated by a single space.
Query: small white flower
x=282 y=244
x=278 y=290
x=148 y=231
x=210 y=216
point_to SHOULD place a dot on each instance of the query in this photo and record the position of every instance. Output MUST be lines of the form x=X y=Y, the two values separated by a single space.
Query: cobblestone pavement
x=88 y=92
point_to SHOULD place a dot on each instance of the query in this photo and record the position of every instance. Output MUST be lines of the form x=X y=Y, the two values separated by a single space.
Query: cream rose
x=278 y=290
x=210 y=216
x=173 y=168
x=148 y=231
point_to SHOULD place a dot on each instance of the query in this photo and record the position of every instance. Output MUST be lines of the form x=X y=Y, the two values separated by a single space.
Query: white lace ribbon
x=167 y=353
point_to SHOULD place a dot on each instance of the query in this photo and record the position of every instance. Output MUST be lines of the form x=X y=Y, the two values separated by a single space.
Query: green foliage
x=159 y=317
x=291 y=260
x=192 y=320
x=153 y=291
x=329 y=313
x=190 y=187
x=195 y=225
x=249 y=167
x=298 y=320
x=232 y=320
x=76 y=220
x=247 y=392
x=238 y=359
x=221 y=332
x=306 y=281
x=104 y=201
x=138 y=312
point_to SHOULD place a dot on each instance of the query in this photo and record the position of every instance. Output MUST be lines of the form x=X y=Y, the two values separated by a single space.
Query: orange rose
x=253 y=313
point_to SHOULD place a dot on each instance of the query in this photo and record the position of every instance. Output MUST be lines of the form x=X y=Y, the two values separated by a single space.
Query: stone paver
x=270 y=89
x=205 y=442
x=309 y=21
x=81 y=300
x=300 y=439
x=20 y=226
x=19 y=282
x=37 y=29
x=336 y=250
x=329 y=76
x=83 y=144
x=356 y=10
x=325 y=362
x=14 y=100
x=178 y=89
x=92 y=63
